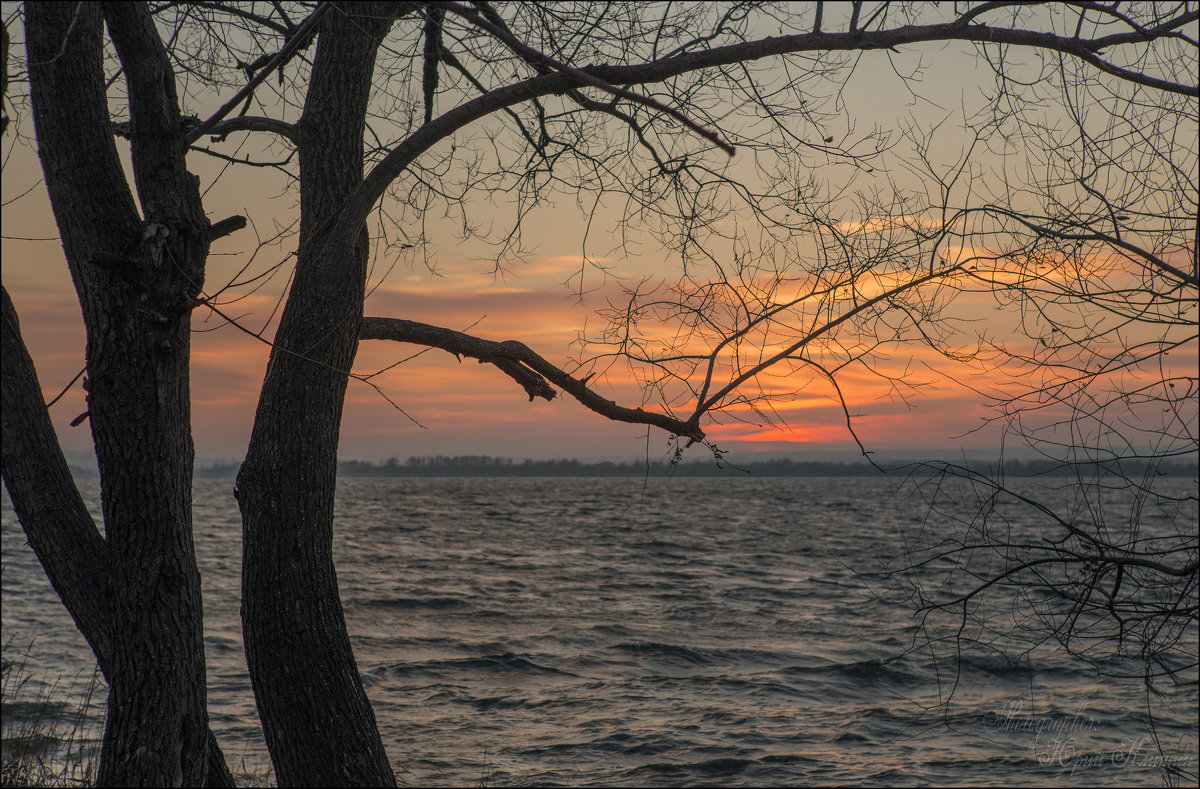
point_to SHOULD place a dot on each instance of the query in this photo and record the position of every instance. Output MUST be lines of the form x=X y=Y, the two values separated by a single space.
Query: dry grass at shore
x=51 y=732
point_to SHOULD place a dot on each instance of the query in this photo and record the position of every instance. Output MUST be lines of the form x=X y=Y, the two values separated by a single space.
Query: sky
x=430 y=403
x=436 y=404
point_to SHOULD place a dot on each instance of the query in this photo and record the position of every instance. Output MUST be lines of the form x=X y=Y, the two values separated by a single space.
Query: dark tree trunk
x=136 y=282
x=54 y=516
x=319 y=725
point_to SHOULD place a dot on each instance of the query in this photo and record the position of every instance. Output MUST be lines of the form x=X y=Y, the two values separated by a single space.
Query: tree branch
x=1097 y=235
x=703 y=405
x=527 y=368
x=53 y=514
x=84 y=153
x=155 y=121
x=533 y=56
x=359 y=205
x=226 y=226
x=223 y=129
x=293 y=43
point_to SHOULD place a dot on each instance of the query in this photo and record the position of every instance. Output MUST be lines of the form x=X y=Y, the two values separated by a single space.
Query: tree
x=1096 y=257
x=621 y=98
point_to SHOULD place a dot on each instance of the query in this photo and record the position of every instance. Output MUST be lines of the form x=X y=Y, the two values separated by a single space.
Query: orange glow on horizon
x=458 y=404
x=823 y=434
x=467 y=408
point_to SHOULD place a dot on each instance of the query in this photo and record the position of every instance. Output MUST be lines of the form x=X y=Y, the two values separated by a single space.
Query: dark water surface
x=698 y=631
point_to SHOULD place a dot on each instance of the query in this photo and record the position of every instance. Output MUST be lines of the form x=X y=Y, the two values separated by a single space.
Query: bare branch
x=226 y=226
x=223 y=129
x=298 y=37
x=534 y=56
x=519 y=362
x=359 y=205
x=704 y=405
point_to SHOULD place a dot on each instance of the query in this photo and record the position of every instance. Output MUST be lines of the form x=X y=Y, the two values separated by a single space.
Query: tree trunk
x=44 y=496
x=54 y=516
x=319 y=725
x=136 y=282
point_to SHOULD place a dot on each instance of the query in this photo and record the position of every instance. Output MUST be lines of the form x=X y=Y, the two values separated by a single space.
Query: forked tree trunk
x=319 y=725
x=54 y=516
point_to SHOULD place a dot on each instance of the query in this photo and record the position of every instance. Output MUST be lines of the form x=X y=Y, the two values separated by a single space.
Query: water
x=701 y=631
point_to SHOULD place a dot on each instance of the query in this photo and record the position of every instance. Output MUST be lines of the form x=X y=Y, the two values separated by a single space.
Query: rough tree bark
x=54 y=516
x=319 y=725
x=136 y=282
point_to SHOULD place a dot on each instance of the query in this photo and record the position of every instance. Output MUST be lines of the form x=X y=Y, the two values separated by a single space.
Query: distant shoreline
x=486 y=466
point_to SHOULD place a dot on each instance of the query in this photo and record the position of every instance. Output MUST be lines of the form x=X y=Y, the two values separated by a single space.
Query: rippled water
x=686 y=631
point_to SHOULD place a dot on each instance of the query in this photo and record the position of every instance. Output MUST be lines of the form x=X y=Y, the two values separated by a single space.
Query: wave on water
x=577 y=631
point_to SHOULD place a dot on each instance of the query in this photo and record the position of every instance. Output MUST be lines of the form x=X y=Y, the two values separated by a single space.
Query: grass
x=51 y=731
x=46 y=741
x=487 y=776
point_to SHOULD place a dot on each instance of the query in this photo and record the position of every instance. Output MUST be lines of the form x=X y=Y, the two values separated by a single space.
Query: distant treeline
x=487 y=466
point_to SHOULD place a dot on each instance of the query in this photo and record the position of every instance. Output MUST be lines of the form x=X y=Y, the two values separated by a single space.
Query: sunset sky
x=440 y=405
x=461 y=407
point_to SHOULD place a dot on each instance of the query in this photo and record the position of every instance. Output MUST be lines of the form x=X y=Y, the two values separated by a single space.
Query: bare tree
x=363 y=104
x=1089 y=243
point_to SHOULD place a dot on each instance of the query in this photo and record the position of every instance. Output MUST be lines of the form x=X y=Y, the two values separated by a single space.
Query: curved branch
x=360 y=203
x=459 y=344
x=523 y=365
x=48 y=504
x=1136 y=76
